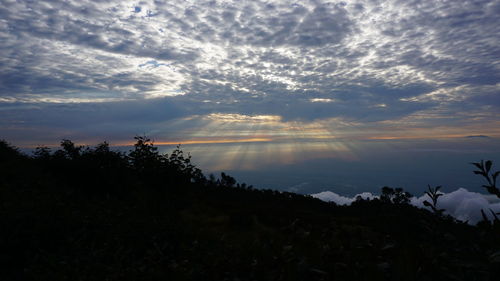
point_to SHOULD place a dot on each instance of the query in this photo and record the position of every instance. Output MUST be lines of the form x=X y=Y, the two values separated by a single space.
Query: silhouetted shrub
x=395 y=195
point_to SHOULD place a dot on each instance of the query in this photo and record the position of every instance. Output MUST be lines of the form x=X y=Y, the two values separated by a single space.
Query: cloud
x=330 y=196
x=464 y=205
x=461 y=204
x=89 y=122
x=413 y=63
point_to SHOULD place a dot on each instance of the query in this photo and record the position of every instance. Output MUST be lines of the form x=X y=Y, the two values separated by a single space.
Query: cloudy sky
x=249 y=80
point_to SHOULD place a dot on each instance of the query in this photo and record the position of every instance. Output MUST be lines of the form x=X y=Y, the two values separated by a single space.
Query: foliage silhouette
x=491 y=178
x=8 y=152
x=395 y=196
x=145 y=155
x=81 y=213
x=433 y=194
x=42 y=153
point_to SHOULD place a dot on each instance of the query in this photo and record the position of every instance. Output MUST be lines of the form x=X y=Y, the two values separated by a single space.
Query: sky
x=299 y=88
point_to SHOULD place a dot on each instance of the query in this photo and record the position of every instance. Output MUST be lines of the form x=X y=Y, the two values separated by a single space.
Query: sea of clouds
x=462 y=204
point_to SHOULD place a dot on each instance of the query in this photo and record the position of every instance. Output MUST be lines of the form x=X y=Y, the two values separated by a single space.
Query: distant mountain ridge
x=478 y=136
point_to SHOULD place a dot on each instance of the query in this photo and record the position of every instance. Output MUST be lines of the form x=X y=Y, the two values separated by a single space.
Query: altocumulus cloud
x=461 y=203
x=412 y=63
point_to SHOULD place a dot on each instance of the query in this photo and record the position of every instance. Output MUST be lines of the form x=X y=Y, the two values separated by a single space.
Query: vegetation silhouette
x=491 y=178
x=83 y=213
x=434 y=194
x=491 y=187
x=395 y=195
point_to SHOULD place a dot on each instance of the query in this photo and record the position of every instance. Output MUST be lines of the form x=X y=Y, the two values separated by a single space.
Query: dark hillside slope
x=94 y=214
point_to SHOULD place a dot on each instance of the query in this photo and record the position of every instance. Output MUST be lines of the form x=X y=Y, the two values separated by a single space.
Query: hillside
x=95 y=214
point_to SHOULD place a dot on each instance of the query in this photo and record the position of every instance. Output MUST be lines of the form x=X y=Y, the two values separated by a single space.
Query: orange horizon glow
x=214 y=141
x=277 y=140
x=202 y=141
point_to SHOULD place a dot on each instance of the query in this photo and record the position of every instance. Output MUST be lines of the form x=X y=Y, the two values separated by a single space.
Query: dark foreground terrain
x=95 y=214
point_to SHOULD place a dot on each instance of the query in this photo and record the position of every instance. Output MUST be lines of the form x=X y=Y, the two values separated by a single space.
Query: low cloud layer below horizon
x=461 y=204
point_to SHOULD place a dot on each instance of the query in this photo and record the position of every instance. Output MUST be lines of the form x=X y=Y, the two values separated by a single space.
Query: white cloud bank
x=461 y=203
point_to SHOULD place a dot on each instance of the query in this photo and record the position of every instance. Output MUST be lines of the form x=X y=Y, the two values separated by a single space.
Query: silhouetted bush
x=395 y=195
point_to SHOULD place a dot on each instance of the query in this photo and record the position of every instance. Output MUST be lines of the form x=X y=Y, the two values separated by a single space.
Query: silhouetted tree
x=70 y=150
x=226 y=180
x=42 y=153
x=8 y=152
x=182 y=165
x=144 y=155
x=10 y=159
x=105 y=165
